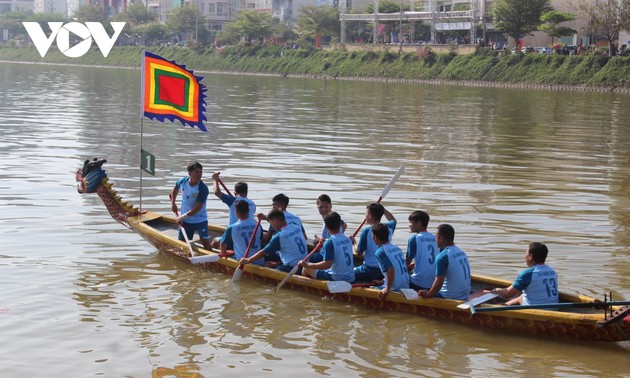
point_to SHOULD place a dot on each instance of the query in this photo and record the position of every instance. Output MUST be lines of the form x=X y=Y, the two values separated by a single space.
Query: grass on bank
x=484 y=65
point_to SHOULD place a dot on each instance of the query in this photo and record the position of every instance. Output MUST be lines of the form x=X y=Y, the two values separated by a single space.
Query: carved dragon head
x=90 y=176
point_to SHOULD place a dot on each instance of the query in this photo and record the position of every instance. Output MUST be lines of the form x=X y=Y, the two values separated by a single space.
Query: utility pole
x=197 y=22
x=400 y=31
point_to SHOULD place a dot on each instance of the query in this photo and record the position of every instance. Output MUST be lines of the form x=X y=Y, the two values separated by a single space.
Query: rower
x=535 y=285
x=240 y=191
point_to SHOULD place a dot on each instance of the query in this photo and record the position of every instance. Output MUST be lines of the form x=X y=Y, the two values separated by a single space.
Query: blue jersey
x=390 y=256
x=423 y=249
x=289 y=242
x=190 y=196
x=238 y=235
x=338 y=249
x=452 y=263
x=368 y=247
x=231 y=202
x=539 y=285
x=326 y=234
x=290 y=218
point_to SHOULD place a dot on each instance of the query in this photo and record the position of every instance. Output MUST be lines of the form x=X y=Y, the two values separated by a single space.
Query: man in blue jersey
x=324 y=206
x=370 y=270
x=288 y=242
x=338 y=262
x=452 y=271
x=536 y=285
x=281 y=202
x=237 y=235
x=421 y=251
x=193 y=216
x=240 y=190
x=391 y=261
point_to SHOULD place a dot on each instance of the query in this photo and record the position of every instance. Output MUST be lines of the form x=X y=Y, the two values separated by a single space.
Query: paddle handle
x=364 y=220
x=251 y=242
x=315 y=250
x=223 y=185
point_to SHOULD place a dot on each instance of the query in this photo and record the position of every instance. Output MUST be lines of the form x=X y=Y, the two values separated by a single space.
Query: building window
x=221 y=10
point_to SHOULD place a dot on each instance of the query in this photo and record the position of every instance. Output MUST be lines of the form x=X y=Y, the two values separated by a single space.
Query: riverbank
x=483 y=68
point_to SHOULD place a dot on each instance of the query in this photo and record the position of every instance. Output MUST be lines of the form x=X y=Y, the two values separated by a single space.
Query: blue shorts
x=323 y=275
x=288 y=268
x=201 y=228
x=316 y=258
x=364 y=273
x=416 y=287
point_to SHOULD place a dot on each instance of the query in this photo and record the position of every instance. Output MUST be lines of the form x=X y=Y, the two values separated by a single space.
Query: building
x=16 y=6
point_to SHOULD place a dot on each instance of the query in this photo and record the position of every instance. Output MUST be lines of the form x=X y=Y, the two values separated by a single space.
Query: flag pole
x=141 y=121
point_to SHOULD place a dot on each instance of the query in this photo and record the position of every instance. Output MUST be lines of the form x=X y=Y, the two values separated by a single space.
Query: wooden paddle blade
x=285 y=279
x=479 y=300
x=238 y=272
x=338 y=286
x=203 y=259
x=410 y=294
x=392 y=182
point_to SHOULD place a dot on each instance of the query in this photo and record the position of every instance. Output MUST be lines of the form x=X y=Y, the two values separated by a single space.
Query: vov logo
x=88 y=32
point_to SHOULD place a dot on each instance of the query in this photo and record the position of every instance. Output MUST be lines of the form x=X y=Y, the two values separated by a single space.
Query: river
x=83 y=296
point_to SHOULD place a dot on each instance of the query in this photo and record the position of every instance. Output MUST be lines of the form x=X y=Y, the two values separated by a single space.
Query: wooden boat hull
x=160 y=231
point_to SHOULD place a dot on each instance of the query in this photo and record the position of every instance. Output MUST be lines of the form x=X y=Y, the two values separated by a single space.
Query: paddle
x=554 y=306
x=238 y=272
x=223 y=185
x=297 y=266
x=474 y=302
x=193 y=258
x=383 y=194
x=344 y=287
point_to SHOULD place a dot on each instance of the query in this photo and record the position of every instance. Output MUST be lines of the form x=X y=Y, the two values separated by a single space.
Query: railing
x=459 y=15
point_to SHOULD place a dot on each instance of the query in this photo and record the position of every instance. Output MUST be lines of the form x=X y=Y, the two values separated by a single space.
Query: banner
x=171 y=92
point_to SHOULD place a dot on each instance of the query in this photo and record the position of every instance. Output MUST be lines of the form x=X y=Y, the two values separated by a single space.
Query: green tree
x=45 y=17
x=187 y=21
x=315 y=22
x=152 y=32
x=386 y=6
x=136 y=14
x=460 y=7
x=12 y=21
x=517 y=18
x=89 y=13
x=550 y=24
x=607 y=17
x=249 y=25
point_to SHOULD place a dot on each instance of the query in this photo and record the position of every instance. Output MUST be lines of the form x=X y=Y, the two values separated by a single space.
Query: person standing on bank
x=193 y=216
x=452 y=271
x=535 y=285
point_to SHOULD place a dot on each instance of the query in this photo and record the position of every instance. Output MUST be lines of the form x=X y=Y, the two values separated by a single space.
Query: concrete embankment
x=481 y=68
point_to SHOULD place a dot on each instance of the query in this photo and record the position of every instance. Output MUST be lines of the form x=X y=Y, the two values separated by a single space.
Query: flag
x=171 y=92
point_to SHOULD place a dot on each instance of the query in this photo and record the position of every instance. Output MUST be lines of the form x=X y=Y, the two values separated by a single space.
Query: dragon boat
x=577 y=317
